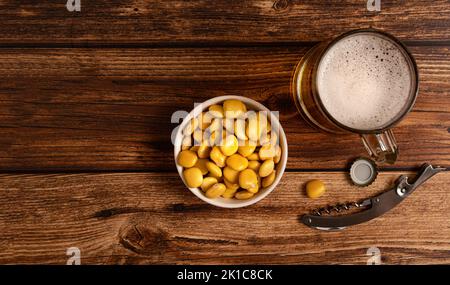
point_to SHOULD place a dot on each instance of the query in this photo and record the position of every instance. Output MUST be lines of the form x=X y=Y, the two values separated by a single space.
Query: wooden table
x=86 y=100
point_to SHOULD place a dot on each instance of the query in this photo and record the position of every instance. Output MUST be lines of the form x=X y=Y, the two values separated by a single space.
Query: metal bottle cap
x=363 y=172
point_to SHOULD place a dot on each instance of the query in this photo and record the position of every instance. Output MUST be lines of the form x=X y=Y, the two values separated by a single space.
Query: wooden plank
x=253 y=21
x=110 y=109
x=151 y=218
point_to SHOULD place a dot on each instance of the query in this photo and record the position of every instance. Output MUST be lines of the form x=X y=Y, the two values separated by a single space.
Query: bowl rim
x=222 y=202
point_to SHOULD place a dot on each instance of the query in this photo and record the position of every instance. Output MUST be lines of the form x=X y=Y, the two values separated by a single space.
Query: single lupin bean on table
x=315 y=188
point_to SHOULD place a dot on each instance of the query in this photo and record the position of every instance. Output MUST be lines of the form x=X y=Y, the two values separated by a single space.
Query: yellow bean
x=254 y=165
x=186 y=143
x=217 y=156
x=231 y=175
x=187 y=158
x=239 y=129
x=270 y=137
x=215 y=191
x=216 y=124
x=205 y=120
x=213 y=169
x=229 y=192
x=237 y=162
x=216 y=111
x=277 y=156
x=247 y=149
x=267 y=181
x=253 y=156
x=201 y=164
x=229 y=145
x=257 y=126
x=273 y=139
x=234 y=108
x=253 y=190
x=267 y=151
x=315 y=188
x=228 y=125
x=231 y=185
x=193 y=177
x=194 y=148
x=248 y=179
x=203 y=150
x=208 y=182
x=263 y=122
x=264 y=139
x=198 y=136
x=211 y=137
x=251 y=129
x=190 y=127
x=243 y=195
x=217 y=137
x=266 y=168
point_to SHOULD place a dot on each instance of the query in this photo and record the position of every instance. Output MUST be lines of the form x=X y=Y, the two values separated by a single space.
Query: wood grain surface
x=110 y=109
x=151 y=218
x=220 y=21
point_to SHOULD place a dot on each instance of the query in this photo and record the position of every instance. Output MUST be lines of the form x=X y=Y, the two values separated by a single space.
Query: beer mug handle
x=382 y=146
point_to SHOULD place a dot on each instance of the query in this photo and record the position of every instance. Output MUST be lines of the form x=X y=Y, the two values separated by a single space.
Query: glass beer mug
x=363 y=82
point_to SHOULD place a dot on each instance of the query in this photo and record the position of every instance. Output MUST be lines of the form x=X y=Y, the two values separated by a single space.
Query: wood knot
x=280 y=4
x=143 y=240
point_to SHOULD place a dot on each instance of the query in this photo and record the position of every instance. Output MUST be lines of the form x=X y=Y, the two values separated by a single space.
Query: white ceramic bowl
x=233 y=203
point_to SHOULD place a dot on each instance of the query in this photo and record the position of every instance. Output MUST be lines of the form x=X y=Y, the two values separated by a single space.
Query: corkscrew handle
x=427 y=171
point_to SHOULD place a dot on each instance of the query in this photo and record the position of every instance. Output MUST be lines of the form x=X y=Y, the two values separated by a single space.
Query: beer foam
x=364 y=81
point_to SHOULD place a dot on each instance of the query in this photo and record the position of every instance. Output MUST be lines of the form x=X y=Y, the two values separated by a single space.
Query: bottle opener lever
x=372 y=207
